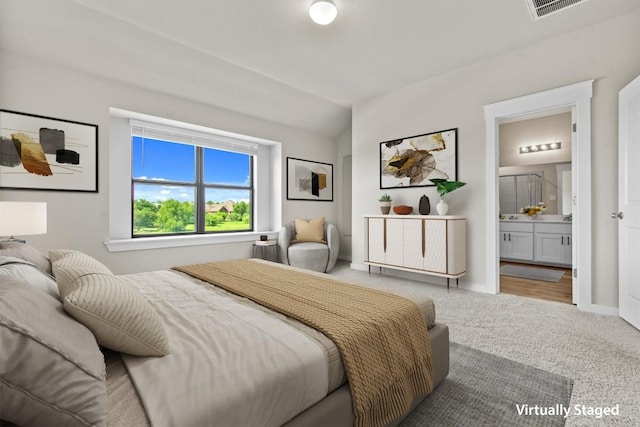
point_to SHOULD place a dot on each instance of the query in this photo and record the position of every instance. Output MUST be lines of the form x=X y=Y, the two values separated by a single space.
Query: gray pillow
x=27 y=253
x=51 y=369
x=17 y=268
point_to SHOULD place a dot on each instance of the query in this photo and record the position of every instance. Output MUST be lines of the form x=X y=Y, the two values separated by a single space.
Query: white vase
x=442 y=207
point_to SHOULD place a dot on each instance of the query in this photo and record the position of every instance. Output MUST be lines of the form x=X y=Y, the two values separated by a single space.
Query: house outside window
x=188 y=183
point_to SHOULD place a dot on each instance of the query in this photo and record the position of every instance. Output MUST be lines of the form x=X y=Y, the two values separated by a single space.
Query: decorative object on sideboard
x=44 y=153
x=402 y=209
x=22 y=219
x=425 y=206
x=385 y=203
x=413 y=161
x=444 y=187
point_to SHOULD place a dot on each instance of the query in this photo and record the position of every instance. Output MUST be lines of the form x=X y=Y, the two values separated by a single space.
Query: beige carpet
x=600 y=353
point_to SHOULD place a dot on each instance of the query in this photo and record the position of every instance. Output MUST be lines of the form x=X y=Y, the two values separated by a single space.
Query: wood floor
x=553 y=291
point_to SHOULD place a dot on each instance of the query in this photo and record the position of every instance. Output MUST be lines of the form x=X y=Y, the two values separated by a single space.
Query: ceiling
x=267 y=59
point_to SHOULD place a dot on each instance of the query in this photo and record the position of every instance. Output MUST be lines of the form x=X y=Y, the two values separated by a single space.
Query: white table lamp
x=22 y=219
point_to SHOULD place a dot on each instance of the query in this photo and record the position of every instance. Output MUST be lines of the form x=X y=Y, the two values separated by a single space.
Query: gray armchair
x=315 y=256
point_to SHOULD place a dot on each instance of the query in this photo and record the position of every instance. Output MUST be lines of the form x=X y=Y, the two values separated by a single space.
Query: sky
x=168 y=161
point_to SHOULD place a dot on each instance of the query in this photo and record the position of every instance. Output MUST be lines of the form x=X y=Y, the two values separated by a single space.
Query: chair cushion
x=309 y=255
x=309 y=231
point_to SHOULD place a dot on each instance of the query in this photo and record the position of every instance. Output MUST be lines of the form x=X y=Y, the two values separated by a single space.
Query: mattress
x=125 y=407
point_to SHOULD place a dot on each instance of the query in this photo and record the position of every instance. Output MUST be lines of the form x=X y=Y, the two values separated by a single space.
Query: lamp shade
x=323 y=12
x=23 y=218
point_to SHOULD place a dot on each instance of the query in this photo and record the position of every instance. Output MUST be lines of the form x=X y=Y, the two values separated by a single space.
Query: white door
x=628 y=215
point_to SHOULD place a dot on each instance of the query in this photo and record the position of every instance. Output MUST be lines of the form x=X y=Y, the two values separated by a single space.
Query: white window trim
x=268 y=198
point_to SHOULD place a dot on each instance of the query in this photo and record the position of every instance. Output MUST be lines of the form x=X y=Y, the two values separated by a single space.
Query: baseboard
x=601 y=309
x=424 y=278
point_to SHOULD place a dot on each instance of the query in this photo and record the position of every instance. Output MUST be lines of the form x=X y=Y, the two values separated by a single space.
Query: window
x=186 y=182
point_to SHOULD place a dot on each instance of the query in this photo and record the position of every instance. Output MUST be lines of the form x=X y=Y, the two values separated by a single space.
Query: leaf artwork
x=416 y=163
x=413 y=161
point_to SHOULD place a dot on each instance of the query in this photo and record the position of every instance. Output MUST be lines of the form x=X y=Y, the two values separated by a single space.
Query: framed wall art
x=309 y=180
x=44 y=153
x=413 y=161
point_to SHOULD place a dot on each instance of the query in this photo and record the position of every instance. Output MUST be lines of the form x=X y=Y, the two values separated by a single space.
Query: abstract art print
x=309 y=180
x=43 y=153
x=413 y=161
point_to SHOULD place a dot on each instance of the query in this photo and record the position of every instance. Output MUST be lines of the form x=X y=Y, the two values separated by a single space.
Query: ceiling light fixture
x=540 y=147
x=323 y=12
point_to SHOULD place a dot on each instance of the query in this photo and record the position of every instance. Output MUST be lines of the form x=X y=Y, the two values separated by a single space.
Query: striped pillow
x=118 y=315
x=68 y=265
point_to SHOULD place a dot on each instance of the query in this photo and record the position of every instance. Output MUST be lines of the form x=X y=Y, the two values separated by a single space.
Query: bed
x=189 y=353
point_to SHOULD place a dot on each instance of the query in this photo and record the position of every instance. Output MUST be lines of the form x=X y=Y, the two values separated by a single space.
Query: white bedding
x=206 y=380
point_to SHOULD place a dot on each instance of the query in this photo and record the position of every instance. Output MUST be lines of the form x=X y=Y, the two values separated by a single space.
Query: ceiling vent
x=542 y=8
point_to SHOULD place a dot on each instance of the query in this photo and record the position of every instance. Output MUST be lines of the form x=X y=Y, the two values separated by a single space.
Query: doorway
x=577 y=97
x=535 y=157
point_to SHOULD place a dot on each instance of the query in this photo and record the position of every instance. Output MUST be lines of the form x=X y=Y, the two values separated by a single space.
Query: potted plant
x=385 y=203
x=443 y=187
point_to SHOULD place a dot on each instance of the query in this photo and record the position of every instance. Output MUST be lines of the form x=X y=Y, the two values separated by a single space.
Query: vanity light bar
x=540 y=147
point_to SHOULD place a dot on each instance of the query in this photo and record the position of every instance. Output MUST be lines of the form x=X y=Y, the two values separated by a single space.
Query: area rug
x=533 y=273
x=487 y=390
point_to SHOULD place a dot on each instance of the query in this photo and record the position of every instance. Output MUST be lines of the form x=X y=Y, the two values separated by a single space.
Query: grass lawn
x=223 y=226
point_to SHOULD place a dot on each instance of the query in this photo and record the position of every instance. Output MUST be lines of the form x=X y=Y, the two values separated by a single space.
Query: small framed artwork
x=309 y=180
x=44 y=153
x=413 y=161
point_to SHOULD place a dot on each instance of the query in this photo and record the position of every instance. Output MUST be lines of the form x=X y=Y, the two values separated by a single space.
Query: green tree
x=144 y=214
x=174 y=216
x=213 y=219
x=241 y=208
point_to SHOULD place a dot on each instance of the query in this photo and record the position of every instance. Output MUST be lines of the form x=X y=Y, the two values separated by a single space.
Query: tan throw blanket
x=382 y=337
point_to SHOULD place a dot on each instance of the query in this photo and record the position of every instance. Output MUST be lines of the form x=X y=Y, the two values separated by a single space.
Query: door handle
x=615 y=215
x=509 y=236
x=568 y=240
x=562 y=240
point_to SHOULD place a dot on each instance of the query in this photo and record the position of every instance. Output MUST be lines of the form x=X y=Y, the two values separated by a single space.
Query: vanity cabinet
x=536 y=242
x=553 y=243
x=433 y=245
x=516 y=241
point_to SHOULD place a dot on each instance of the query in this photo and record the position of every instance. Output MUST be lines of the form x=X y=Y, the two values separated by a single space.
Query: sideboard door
x=435 y=238
x=394 y=254
x=413 y=244
x=376 y=240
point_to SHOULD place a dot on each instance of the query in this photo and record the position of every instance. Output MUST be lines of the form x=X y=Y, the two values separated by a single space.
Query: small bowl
x=402 y=209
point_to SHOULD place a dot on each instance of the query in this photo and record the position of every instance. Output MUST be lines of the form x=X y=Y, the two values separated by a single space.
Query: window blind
x=162 y=132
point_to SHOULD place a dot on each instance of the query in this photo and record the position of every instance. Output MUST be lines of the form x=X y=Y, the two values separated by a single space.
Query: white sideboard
x=434 y=245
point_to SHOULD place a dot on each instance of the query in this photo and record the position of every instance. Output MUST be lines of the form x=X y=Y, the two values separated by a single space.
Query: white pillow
x=12 y=267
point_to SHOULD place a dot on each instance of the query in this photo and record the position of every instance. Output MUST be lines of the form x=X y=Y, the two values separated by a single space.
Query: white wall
x=607 y=52
x=513 y=135
x=344 y=193
x=81 y=220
